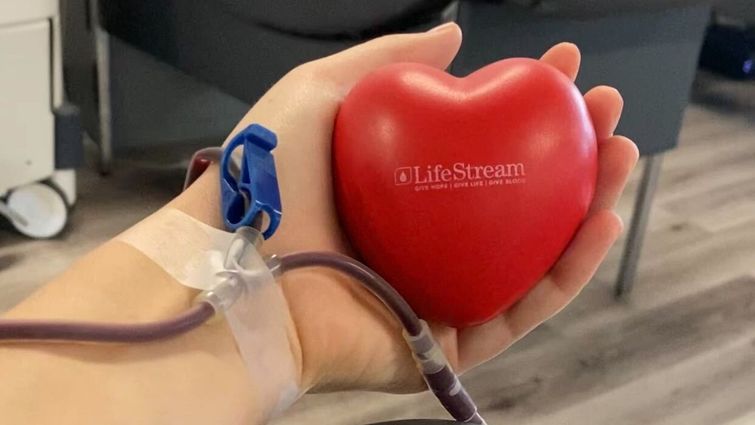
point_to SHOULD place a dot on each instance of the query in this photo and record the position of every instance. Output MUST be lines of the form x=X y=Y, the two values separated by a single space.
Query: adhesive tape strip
x=189 y=250
x=261 y=323
x=260 y=320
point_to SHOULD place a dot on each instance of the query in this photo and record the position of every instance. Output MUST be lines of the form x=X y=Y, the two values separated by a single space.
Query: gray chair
x=235 y=49
x=646 y=48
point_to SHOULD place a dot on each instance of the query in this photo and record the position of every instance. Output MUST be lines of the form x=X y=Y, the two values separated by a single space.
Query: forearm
x=195 y=378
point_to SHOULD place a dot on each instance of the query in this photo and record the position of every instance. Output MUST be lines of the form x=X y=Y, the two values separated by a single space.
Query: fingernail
x=442 y=27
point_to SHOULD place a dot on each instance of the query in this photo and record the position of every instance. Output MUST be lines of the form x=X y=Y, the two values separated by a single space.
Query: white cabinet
x=26 y=120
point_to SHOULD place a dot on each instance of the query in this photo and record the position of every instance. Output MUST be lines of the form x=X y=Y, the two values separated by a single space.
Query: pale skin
x=341 y=338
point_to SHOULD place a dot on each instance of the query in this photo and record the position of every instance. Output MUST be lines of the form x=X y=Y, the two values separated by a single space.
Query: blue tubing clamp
x=255 y=189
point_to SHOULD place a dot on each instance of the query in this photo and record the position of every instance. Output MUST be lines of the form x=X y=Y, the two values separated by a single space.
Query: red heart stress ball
x=463 y=192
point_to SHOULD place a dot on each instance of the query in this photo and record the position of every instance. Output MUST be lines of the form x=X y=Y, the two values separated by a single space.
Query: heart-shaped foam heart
x=463 y=192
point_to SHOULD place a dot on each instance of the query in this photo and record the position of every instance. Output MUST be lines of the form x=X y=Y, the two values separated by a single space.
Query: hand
x=348 y=340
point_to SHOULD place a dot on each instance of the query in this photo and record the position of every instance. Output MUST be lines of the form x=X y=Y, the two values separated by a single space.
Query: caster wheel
x=42 y=208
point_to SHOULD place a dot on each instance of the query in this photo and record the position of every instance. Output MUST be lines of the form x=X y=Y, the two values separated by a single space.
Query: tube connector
x=440 y=377
x=427 y=353
x=273 y=263
x=238 y=274
x=222 y=296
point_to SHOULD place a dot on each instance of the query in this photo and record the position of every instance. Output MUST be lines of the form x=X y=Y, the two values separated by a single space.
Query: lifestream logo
x=459 y=175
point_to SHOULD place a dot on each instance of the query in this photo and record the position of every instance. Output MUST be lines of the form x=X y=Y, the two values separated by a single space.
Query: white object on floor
x=41 y=209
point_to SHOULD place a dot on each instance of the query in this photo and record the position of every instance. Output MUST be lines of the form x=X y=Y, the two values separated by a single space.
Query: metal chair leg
x=642 y=204
x=102 y=57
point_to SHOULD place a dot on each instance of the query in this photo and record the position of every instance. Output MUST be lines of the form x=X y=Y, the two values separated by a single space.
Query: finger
x=565 y=57
x=572 y=272
x=586 y=251
x=604 y=104
x=479 y=344
x=617 y=157
x=436 y=48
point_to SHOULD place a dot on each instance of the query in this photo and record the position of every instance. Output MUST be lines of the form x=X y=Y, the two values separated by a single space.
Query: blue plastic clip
x=256 y=189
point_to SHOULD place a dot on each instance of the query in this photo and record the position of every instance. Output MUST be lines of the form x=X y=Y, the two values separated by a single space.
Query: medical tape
x=193 y=253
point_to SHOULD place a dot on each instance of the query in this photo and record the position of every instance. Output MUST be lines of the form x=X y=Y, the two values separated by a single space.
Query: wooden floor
x=682 y=351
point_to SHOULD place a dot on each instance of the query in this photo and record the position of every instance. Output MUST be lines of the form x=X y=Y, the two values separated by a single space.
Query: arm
x=196 y=378
x=199 y=377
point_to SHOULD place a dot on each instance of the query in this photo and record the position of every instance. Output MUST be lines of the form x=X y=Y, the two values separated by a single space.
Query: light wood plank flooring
x=681 y=351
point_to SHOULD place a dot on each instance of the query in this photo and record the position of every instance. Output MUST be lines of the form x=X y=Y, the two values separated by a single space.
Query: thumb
x=436 y=48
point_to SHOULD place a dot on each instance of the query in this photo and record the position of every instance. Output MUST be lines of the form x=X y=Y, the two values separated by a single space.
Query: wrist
x=348 y=339
x=201 y=200
x=335 y=349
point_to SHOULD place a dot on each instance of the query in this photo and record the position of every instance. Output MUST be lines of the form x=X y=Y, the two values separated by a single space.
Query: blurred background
x=103 y=102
